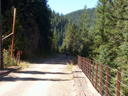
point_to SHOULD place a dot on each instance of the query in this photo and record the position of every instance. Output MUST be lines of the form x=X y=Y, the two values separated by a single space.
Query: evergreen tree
x=55 y=40
x=101 y=32
x=70 y=41
x=83 y=37
x=30 y=36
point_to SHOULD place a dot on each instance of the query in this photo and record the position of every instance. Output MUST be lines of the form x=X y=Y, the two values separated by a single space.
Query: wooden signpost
x=13 y=31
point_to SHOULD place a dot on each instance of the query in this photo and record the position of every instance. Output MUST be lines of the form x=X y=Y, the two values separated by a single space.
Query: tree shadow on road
x=13 y=79
x=39 y=72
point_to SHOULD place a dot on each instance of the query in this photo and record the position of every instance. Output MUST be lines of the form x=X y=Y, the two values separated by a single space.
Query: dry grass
x=24 y=65
x=70 y=65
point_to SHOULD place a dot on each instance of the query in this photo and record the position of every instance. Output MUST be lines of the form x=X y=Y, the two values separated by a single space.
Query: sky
x=67 y=6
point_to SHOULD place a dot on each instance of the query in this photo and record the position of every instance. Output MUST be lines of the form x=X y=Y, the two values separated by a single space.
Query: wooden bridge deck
x=82 y=84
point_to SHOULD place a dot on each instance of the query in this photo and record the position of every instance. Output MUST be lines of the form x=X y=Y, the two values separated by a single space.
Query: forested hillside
x=105 y=41
x=58 y=25
x=75 y=16
x=33 y=29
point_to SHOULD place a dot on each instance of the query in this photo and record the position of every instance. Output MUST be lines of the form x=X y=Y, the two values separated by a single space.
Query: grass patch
x=24 y=65
x=71 y=65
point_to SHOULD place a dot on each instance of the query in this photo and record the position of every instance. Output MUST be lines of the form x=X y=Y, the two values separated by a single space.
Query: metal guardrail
x=100 y=76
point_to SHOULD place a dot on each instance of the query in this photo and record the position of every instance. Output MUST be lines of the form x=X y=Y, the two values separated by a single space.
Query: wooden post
x=107 y=80
x=7 y=60
x=81 y=63
x=13 y=60
x=16 y=59
x=87 y=66
x=78 y=60
x=96 y=75
x=1 y=45
x=19 y=59
x=93 y=72
x=118 y=83
x=90 y=69
x=101 y=74
x=13 y=31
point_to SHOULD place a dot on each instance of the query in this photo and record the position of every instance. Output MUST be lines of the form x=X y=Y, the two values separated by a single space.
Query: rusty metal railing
x=101 y=77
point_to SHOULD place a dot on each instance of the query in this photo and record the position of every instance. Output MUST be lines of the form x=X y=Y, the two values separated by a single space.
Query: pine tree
x=55 y=40
x=101 y=32
x=83 y=33
x=70 y=41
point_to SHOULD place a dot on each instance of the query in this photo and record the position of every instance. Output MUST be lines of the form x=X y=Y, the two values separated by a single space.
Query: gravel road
x=48 y=77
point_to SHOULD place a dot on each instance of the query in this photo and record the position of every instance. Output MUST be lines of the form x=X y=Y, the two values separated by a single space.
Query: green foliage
x=110 y=36
x=84 y=34
x=59 y=22
x=105 y=40
x=7 y=60
x=32 y=29
x=70 y=41
x=55 y=41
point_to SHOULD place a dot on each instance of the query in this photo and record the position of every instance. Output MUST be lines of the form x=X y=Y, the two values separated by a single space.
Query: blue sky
x=67 y=6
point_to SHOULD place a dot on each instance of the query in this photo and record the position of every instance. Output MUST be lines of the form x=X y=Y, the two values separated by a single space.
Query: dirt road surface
x=48 y=77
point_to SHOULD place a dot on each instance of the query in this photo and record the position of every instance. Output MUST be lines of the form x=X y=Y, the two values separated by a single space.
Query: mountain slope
x=75 y=16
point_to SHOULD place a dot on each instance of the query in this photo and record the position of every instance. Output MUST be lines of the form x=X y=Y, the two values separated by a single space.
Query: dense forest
x=58 y=25
x=33 y=28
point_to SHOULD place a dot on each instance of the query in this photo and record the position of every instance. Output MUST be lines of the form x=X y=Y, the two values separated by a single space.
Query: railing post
x=118 y=82
x=88 y=66
x=78 y=60
x=107 y=80
x=93 y=73
x=19 y=59
x=13 y=60
x=90 y=69
x=7 y=60
x=81 y=63
x=101 y=74
x=84 y=65
x=96 y=75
